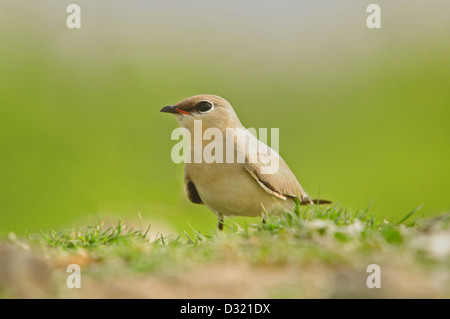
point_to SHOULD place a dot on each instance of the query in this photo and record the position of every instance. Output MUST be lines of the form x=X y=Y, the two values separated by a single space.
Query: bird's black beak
x=173 y=109
x=169 y=109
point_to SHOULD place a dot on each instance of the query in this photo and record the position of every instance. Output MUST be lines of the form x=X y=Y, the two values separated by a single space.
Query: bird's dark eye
x=204 y=106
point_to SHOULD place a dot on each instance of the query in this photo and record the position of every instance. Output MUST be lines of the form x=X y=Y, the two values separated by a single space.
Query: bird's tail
x=310 y=201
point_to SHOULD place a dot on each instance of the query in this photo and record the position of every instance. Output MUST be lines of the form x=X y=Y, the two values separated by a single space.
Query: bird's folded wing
x=267 y=167
x=282 y=183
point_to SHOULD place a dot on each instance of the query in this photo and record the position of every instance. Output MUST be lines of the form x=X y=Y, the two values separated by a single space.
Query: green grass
x=333 y=239
x=92 y=236
x=332 y=223
x=287 y=237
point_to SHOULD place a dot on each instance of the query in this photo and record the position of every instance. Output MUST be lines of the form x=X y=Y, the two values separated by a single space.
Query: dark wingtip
x=316 y=202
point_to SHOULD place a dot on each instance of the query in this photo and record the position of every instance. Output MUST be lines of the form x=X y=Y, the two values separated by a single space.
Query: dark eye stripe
x=204 y=106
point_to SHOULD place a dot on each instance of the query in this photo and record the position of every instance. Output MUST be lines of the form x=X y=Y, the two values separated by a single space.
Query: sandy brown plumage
x=238 y=188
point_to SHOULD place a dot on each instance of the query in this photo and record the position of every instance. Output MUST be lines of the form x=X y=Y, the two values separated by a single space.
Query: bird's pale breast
x=228 y=189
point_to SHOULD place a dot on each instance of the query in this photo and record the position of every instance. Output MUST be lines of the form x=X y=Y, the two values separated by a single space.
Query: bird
x=234 y=188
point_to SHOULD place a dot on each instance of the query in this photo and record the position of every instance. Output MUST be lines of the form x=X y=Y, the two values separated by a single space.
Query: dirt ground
x=28 y=275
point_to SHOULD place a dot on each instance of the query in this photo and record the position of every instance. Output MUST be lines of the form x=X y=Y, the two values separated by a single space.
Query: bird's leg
x=263 y=214
x=220 y=223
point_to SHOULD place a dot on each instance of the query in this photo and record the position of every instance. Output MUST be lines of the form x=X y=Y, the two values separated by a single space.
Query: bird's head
x=212 y=110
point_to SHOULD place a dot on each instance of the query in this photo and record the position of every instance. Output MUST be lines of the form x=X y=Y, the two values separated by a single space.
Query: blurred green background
x=363 y=114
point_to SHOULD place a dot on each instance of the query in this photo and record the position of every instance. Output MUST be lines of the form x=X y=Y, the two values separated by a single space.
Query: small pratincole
x=253 y=181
